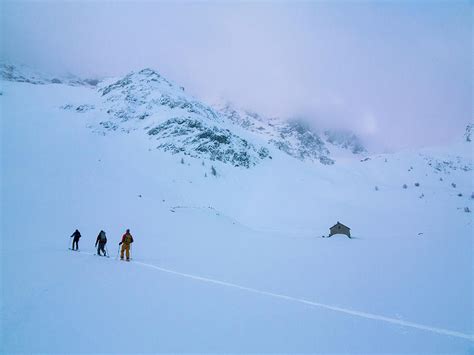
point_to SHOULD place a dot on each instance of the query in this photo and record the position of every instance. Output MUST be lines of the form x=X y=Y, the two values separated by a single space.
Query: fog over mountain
x=397 y=74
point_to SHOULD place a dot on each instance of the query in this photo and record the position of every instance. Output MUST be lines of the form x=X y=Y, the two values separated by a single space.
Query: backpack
x=127 y=239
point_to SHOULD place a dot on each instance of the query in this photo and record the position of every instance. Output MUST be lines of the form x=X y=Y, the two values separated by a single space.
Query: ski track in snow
x=360 y=314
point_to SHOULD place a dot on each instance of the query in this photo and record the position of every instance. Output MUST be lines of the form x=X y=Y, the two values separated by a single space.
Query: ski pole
x=118 y=251
x=107 y=250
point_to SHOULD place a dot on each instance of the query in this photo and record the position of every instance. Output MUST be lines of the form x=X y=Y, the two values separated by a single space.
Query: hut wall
x=343 y=230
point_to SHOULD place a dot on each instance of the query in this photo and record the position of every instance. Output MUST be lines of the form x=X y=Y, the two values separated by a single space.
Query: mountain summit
x=145 y=93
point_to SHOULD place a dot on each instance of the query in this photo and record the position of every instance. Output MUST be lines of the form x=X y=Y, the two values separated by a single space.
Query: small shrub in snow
x=203 y=163
x=376 y=188
x=453 y=184
x=205 y=174
x=405 y=186
x=182 y=160
x=417 y=184
x=421 y=196
x=440 y=179
x=467 y=210
x=213 y=171
x=460 y=194
x=472 y=195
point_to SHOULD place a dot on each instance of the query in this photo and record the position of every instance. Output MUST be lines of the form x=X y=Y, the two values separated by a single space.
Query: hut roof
x=339 y=223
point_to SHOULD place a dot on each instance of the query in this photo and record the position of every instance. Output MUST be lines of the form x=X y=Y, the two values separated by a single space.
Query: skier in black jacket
x=77 y=236
x=101 y=241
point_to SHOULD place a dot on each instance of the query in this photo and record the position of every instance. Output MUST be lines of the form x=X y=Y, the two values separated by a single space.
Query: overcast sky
x=398 y=73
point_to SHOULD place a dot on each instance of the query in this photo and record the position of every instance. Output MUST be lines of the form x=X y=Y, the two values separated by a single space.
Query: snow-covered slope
x=232 y=262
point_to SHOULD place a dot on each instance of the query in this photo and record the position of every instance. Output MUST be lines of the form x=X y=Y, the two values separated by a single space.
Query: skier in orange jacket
x=127 y=239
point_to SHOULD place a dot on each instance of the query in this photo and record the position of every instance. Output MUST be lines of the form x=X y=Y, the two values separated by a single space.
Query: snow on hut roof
x=339 y=223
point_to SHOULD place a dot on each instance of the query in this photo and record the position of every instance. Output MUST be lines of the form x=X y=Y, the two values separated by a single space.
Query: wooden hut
x=339 y=228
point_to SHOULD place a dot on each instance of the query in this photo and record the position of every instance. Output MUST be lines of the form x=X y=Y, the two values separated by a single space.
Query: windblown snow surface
x=226 y=263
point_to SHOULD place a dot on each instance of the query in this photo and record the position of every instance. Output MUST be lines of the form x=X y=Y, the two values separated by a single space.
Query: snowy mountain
x=24 y=74
x=181 y=124
x=172 y=120
x=296 y=138
x=292 y=137
x=226 y=262
x=299 y=141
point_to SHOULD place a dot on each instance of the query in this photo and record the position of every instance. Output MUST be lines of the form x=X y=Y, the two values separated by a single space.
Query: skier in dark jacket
x=77 y=236
x=101 y=241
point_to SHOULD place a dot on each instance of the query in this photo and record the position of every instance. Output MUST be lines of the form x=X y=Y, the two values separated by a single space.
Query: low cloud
x=398 y=74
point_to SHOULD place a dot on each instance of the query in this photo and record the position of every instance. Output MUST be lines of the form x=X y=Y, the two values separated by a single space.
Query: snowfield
x=227 y=263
